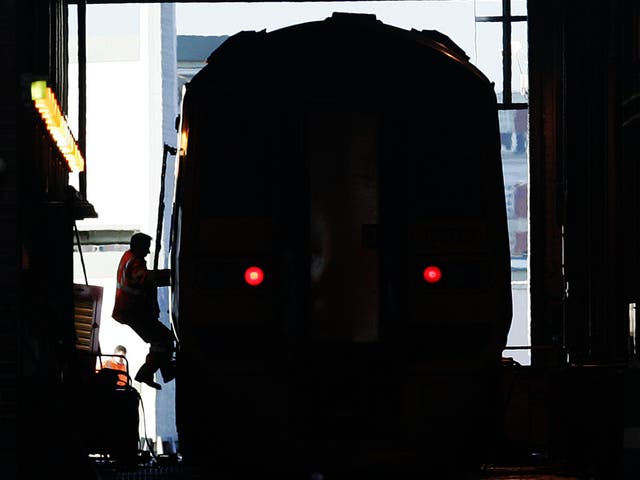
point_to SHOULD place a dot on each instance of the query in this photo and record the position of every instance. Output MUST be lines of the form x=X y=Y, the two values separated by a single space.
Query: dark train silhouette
x=340 y=259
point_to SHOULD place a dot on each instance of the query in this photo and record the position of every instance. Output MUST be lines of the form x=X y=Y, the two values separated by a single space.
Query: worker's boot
x=168 y=371
x=145 y=375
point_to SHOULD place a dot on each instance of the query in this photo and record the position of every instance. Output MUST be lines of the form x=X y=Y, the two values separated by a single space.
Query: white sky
x=227 y=18
x=454 y=18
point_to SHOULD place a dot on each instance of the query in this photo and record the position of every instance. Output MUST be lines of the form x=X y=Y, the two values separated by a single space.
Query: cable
x=84 y=270
x=144 y=426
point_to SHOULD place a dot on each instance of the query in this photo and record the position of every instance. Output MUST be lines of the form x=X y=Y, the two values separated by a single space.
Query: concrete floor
x=175 y=471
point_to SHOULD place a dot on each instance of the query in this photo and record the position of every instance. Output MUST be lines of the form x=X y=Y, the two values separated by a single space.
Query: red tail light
x=253 y=276
x=432 y=274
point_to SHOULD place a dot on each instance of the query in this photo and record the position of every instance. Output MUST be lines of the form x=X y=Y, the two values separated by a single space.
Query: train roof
x=343 y=34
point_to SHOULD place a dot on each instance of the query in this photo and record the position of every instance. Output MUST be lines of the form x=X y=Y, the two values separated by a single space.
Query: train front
x=340 y=252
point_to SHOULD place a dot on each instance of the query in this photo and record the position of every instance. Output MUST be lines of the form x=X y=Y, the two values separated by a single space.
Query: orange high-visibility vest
x=131 y=300
x=112 y=364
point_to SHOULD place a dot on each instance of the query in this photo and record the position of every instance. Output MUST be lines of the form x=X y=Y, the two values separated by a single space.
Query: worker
x=136 y=305
x=118 y=362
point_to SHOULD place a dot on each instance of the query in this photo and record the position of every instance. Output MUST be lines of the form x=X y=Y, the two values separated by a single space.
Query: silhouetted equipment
x=340 y=258
x=106 y=413
x=110 y=415
x=87 y=307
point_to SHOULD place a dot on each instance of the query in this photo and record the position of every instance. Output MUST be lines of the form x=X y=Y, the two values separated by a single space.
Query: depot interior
x=583 y=102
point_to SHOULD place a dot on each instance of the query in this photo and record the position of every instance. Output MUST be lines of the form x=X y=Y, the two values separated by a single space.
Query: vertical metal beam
x=82 y=92
x=506 y=52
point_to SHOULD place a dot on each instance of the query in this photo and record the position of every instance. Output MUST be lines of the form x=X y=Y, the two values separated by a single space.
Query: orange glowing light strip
x=46 y=103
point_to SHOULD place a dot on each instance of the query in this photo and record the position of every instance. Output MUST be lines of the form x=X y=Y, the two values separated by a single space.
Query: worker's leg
x=161 y=347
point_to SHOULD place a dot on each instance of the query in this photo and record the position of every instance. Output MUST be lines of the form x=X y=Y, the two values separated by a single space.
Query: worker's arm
x=162 y=278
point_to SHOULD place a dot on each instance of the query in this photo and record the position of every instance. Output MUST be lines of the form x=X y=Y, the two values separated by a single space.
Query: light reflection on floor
x=526 y=473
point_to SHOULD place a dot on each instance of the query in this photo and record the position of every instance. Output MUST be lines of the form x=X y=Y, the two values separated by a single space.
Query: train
x=341 y=283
